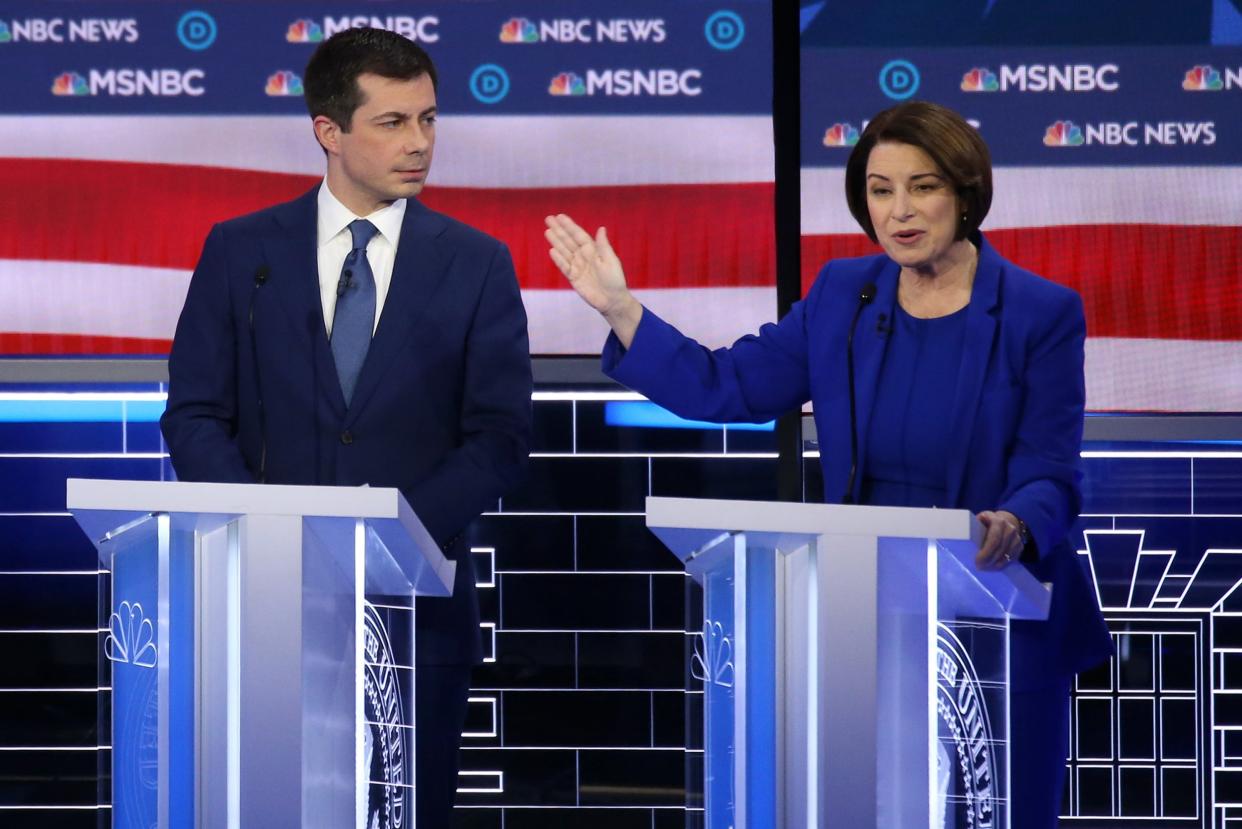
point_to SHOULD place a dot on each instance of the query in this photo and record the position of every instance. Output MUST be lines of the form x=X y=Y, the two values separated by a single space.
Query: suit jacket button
x=347 y=437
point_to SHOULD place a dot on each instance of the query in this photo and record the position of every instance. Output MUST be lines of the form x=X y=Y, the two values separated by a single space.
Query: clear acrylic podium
x=853 y=664
x=261 y=646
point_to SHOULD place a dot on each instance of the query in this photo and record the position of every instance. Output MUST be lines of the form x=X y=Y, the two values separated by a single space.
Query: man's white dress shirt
x=335 y=242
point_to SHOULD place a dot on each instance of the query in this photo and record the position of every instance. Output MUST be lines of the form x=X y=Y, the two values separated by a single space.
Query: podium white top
x=104 y=508
x=689 y=526
x=699 y=520
x=233 y=499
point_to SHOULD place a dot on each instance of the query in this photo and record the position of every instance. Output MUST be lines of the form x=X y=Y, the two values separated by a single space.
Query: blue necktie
x=355 y=309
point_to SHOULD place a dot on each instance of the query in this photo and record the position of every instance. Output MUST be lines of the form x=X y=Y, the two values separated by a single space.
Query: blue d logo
x=899 y=79
x=725 y=30
x=196 y=30
x=489 y=83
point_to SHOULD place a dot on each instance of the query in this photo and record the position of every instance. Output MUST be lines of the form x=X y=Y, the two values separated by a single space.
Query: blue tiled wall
x=583 y=707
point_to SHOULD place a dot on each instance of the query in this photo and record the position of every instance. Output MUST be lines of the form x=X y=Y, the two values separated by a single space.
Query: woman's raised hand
x=595 y=272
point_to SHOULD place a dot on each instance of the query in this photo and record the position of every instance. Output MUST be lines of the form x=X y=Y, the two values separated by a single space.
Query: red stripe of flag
x=1182 y=282
x=157 y=215
x=1157 y=281
x=69 y=344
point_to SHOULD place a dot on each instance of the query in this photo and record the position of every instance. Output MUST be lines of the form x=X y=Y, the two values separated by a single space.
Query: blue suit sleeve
x=756 y=379
x=200 y=423
x=495 y=416
x=1044 y=468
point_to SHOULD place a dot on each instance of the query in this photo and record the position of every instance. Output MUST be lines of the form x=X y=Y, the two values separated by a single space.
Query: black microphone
x=344 y=283
x=261 y=274
x=260 y=279
x=882 y=326
x=864 y=299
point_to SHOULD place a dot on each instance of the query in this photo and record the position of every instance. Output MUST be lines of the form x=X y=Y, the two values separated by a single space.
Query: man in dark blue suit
x=352 y=336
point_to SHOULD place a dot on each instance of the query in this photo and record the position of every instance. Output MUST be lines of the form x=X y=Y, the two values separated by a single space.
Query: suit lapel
x=417 y=272
x=976 y=351
x=292 y=256
x=869 y=350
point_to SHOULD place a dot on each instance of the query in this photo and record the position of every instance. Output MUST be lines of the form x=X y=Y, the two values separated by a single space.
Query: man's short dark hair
x=331 y=78
x=951 y=142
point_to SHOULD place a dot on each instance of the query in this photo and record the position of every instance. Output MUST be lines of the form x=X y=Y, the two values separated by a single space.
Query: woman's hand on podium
x=594 y=271
x=1002 y=540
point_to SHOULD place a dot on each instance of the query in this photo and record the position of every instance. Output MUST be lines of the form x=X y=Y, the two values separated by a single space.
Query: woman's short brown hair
x=947 y=138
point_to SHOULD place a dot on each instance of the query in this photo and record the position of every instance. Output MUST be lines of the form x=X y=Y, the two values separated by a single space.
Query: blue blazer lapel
x=869 y=349
x=291 y=255
x=417 y=272
x=981 y=327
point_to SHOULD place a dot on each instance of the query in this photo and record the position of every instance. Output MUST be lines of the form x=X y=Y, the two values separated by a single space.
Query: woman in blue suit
x=969 y=387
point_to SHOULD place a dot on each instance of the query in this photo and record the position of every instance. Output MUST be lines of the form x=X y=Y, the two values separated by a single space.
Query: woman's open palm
x=590 y=265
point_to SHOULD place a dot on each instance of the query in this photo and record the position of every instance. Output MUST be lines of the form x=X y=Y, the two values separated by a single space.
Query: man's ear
x=328 y=133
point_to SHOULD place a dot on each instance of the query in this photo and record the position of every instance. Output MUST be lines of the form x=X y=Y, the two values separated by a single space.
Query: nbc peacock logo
x=131 y=637
x=283 y=83
x=304 y=30
x=567 y=83
x=841 y=135
x=70 y=83
x=1063 y=134
x=712 y=661
x=5 y=34
x=980 y=79
x=1202 y=78
x=518 y=30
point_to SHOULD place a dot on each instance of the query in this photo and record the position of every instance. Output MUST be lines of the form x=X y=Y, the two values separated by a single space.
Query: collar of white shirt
x=335 y=217
x=334 y=243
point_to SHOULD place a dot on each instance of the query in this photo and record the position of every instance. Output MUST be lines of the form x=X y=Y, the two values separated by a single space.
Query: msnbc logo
x=980 y=80
x=70 y=83
x=841 y=135
x=1063 y=134
x=5 y=34
x=283 y=83
x=1202 y=79
x=567 y=83
x=304 y=31
x=518 y=30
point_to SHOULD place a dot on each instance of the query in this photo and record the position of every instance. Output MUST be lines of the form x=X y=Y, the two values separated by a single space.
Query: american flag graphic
x=96 y=253
x=1155 y=252
x=106 y=218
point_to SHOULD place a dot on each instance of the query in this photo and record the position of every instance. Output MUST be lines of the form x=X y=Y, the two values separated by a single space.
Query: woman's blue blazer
x=1017 y=412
